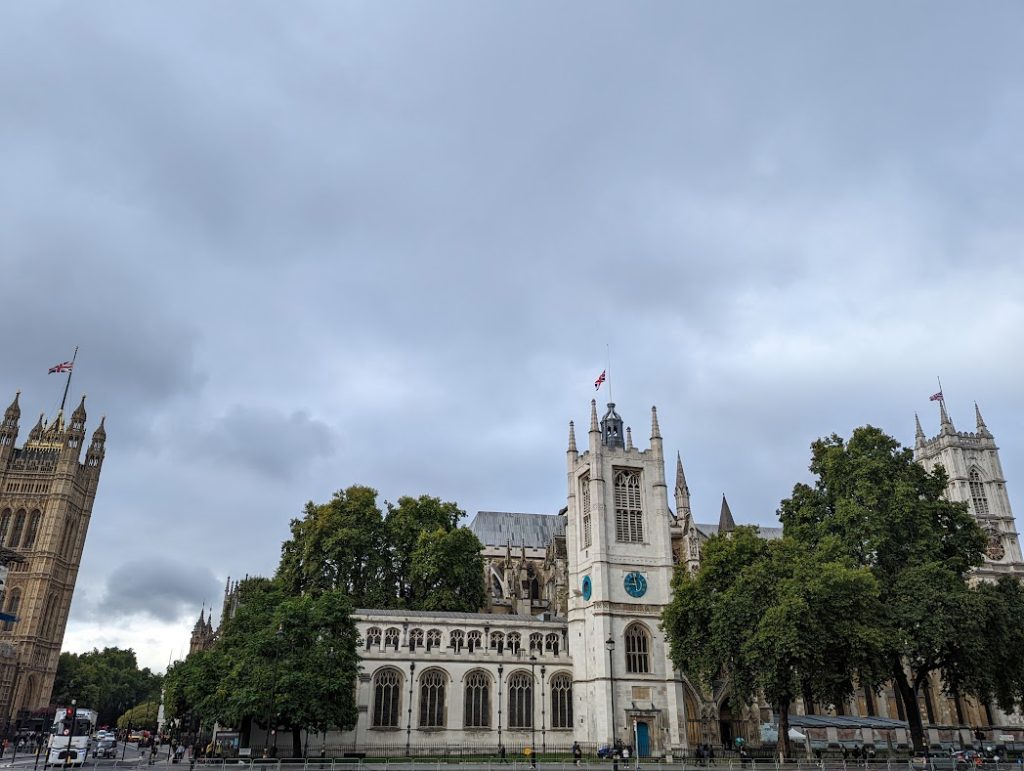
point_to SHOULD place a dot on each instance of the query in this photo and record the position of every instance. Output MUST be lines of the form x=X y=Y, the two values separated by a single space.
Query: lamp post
x=533 y=723
x=408 y=722
x=501 y=669
x=543 y=704
x=609 y=644
x=71 y=732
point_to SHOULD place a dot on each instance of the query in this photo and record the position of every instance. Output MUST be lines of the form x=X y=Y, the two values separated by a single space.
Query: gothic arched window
x=373 y=637
x=551 y=642
x=387 y=695
x=638 y=648
x=497 y=641
x=415 y=639
x=13 y=601
x=629 y=515
x=19 y=525
x=33 y=528
x=433 y=639
x=456 y=639
x=473 y=640
x=49 y=621
x=520 y=700
x=391 y=638
x=561 y=701
x=5 y=524
x=478 y=702
x=432 y=711
x=585 y=508
x=978 y=499
x=514 y=641
x=536 y=642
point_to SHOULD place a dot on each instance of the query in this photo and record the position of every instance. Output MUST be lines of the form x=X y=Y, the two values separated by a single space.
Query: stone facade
x=46 y=499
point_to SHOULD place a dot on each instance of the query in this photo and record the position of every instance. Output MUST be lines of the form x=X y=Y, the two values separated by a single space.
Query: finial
x=655 y=429
x=629 y=438
x=982 y=428
x=680 y=476
x=947 y=424
x=919 y=432
x=726 y=524
x=572 y=437
x=593 y=415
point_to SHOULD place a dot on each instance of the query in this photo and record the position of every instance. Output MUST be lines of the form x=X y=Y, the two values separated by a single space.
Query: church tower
x=619 y=544
x=46 y=498
x=971 y=460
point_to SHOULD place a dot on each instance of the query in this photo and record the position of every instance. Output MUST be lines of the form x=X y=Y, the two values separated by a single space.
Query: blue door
x=643 y=740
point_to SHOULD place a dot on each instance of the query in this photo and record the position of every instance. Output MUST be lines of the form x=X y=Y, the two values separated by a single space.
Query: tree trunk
x=910 y=707
x=296 y=742
x=783 y=743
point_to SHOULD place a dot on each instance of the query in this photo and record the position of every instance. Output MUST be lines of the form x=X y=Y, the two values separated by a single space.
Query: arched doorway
x=694 y=726
x=727 y=719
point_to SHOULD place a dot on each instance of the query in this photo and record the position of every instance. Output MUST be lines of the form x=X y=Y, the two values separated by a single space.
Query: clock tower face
x=636 y=584
x=587 y=588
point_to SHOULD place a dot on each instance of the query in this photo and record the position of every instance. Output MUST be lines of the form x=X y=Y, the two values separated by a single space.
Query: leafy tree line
x=869 y=585
x=286 y=659
x=108 y=681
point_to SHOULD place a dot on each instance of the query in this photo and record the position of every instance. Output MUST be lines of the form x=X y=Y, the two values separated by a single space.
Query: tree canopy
x=107 y=680
x=890 y=515
x=773 y=618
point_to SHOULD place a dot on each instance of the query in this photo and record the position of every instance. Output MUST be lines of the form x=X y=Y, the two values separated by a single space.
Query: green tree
x=447 y=572
x=109 y=681
x=142 y=715
x=889 y=514
x=404 y=524
x=775 y=619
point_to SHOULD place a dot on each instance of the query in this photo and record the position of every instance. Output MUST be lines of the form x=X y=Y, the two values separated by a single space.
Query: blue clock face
x=588 y=587
x=636 y=584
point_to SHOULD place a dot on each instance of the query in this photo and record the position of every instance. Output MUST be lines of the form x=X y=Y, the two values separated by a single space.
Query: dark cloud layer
x=310 y=245
x=158 y=588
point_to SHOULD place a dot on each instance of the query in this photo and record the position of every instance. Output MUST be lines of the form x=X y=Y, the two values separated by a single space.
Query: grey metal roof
x=768 y=533
x=498 y=528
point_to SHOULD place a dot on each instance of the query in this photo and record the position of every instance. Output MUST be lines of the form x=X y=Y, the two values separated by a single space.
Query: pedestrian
x=577 y=753
x=501 y=752
x=625 y=755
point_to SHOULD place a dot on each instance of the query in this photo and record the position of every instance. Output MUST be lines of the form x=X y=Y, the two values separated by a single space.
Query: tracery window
x=33 y=529
x=551 y=642
x=520 y=700
x=456 y=639
x=478 y=703
x=638 y=647
x=391 y=636
x=497 y=641
x=473 y=640
x=13 y=601
x=373 y=637
x=629 y=516
x=415 y=639
x=561 y=701
x=5 y=524
x=432 y=712
x=19 y=525
x=433 y=639
x=387 y=695
x=536 y=642
x=585 y=508
x=978 y=499
x=514 y=641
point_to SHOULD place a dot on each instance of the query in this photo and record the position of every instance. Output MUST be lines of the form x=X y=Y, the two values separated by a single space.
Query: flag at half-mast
x=937 y=397
x=600 y=379
x=64 y=366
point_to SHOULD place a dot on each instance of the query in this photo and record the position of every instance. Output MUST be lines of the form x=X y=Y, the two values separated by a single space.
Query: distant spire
x=100 y=433
x=14 y=411
x=37 y=430
x=918 y=432
x=655 y=428
x=593 y=415
x=572 y=437
x=944 y=421
x=681 y=477
x=982 y=428
x=726 y=524
x=629 y=438
x=79 y=410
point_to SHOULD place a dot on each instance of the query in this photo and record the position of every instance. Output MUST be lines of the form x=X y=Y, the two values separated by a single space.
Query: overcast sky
x=303 y=246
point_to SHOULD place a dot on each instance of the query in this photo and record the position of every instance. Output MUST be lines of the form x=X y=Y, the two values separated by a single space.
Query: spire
x=982 y=428
x=572 y=437
x=100 y=433
x=655 y=429
x=14 y=411
x=593 y=415
x=79 y=411
x=918 y=431
x=945 y=422
x=629 y=438
x=726 y=524
x=37 y=430
x=681 y=488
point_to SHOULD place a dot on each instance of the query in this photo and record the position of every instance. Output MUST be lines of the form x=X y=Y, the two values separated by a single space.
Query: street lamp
x=408 y=723
x=609 y=644
x=543 y=721
x=501 y=669
x=533 y=723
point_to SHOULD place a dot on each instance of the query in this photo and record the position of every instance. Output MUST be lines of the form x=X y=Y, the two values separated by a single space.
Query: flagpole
x=608 y=350
x=67 y=385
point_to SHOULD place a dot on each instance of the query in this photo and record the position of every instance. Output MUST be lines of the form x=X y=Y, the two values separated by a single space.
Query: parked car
x=105 y=748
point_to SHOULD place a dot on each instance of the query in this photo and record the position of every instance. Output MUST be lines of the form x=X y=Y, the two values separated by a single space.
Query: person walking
x=577 y=753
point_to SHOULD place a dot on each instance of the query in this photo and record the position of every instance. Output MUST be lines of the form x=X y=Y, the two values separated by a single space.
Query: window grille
x=432 y=712
x=415 y=639
x=433 y=639
x=514 y=641
x=978 y=499
x=373 y=637
x=561 y=701
x=478 y=703
x=456 y=639
x=551 y=642
x=536 y=642
x=638 y=644
x=473 y=640
x=520 y=700
x=497 y=640
x=629 y=517
x=387 y=695
x=391 y=638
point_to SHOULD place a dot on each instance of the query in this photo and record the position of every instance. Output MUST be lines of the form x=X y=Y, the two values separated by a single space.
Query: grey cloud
x=157 y=587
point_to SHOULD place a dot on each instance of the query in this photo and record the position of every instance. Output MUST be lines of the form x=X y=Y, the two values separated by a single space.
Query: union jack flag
x=600 y=379
x=935 y=397
x=64 y=366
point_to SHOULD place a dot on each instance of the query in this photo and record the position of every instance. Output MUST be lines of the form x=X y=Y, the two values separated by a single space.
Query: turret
x=595 y=430
x=682 y=492
x=982 y=428
x=726 y=524
x=945 y=424
x=611 y=428
x=94 y=458
x=75 y=435
x=37 y=430
x=656 y=445
x=919 y=438
x=9 y=427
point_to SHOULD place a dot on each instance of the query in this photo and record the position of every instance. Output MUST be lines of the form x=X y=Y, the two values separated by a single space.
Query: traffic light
x=70 y=713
